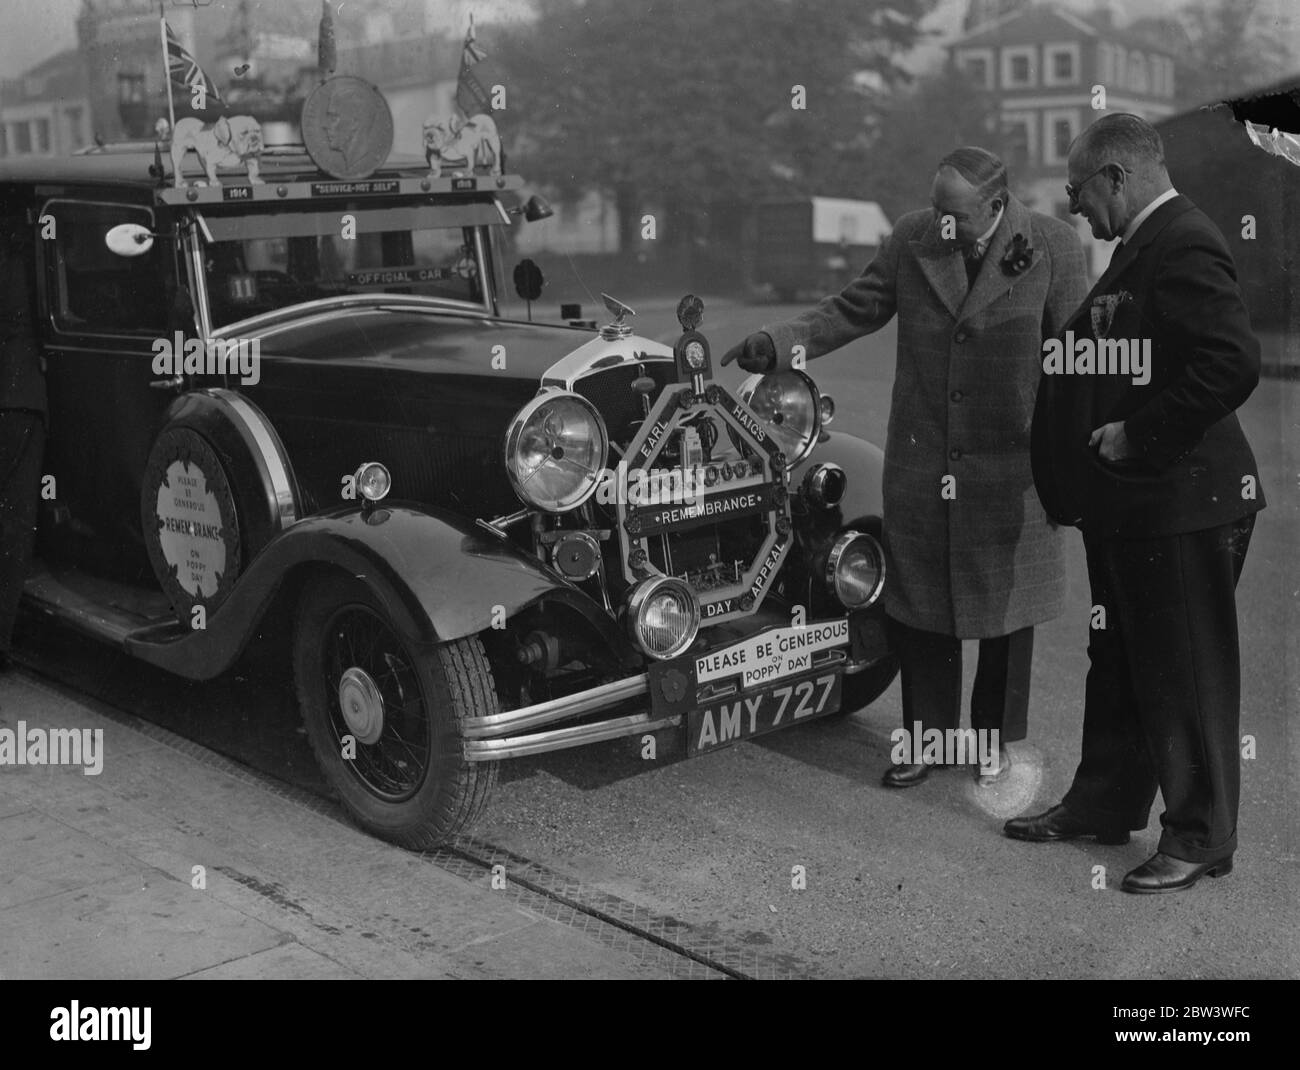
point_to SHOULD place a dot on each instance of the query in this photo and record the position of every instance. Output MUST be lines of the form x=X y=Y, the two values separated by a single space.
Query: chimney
x=1103 y=14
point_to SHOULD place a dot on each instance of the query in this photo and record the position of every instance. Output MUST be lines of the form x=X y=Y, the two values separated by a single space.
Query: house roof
x=61 y=77
x=1028 y=24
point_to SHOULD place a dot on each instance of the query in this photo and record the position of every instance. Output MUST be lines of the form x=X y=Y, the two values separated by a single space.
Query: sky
x=33 y=30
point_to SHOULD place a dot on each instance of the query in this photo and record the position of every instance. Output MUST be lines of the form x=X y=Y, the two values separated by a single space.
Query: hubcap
x=362 y=705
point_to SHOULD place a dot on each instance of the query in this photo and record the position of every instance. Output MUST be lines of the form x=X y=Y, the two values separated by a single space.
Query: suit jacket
x=1173 y=289
x=22 y=382
x=983 y=561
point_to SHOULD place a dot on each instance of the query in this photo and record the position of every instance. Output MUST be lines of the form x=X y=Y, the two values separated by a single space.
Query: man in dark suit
x=976 y=280
x=1150 y=461
x=22 y=417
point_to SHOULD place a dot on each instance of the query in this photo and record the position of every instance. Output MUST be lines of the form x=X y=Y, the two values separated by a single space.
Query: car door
x=101 y=318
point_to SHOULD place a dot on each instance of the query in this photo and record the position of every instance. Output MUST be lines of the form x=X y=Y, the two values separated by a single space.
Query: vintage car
x=492 y=537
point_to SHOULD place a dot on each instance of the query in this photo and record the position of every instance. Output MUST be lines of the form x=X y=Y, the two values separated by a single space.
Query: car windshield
x=259 y=264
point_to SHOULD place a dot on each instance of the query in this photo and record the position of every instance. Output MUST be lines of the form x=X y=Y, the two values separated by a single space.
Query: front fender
x=438 y=575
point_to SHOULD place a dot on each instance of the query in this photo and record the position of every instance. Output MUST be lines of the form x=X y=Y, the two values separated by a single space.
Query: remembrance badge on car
x=347 y=127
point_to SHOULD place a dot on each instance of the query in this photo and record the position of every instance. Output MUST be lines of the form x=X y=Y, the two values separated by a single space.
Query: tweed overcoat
x=974 y=556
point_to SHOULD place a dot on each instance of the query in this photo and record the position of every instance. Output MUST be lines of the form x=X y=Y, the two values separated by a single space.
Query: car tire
x=406 y=779
x=863 y=688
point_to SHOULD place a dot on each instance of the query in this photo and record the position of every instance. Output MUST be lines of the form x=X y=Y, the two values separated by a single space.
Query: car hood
x=434 y=342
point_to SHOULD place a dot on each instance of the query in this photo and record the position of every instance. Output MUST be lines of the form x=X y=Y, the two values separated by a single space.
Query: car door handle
x=174 y=383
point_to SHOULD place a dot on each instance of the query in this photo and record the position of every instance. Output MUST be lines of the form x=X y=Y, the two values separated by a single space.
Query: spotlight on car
x=824 y=485
x=663 y=616
x=372 y=481
x=788 y=403
x=855 y=570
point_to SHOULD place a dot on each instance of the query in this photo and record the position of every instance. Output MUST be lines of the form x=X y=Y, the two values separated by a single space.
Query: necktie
x=973 y=260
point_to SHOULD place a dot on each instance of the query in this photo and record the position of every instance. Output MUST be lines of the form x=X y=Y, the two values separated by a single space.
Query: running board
x=87 y=606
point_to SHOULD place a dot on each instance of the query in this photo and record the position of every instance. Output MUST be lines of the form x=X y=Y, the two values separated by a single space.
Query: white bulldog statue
x=229 y=142
x=462 y=144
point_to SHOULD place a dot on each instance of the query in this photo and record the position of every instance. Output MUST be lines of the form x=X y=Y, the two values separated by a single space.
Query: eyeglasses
x=1073 y=191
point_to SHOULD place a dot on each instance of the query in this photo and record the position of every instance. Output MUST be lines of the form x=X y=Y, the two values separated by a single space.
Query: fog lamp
x=663 y=616
x=855 y=570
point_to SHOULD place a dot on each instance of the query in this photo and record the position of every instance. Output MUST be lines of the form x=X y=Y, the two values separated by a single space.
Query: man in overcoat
x=1152 y=464
x=977 y=281
x=22 y=416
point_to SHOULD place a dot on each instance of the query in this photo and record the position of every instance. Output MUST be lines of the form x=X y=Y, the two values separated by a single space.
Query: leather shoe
x=906 y=775
x=1164 y=873
x=1059 y=824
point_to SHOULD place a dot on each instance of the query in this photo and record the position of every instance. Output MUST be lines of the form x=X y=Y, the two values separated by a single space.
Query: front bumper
x=527 y=730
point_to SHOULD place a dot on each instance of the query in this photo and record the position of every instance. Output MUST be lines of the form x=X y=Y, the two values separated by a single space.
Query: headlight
x=555 y=451
x=855 y=570
x=663 y=616
x=790 y=408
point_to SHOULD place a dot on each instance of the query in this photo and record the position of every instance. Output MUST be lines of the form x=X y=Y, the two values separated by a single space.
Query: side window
x=95 y=291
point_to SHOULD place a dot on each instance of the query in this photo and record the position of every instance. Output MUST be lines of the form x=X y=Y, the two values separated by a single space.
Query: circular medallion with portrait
x=347 y=127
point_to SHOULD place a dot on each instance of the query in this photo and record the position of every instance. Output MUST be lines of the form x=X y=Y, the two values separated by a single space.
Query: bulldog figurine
x=228 y=142
x=462 y=143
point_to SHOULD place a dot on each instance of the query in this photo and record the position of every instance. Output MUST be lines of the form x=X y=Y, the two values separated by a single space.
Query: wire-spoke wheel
x=385 y=721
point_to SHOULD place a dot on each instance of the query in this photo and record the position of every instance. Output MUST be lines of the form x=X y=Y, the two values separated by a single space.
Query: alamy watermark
x=53 y=746
x=179 y=355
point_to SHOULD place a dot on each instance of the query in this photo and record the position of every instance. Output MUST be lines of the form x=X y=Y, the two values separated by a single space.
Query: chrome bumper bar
x=513 y=734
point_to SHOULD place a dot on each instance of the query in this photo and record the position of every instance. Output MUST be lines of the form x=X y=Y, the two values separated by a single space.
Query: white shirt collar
x=982 y=242
x=1141 y=217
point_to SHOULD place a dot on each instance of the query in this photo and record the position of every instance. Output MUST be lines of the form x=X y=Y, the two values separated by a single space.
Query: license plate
x=744 y=716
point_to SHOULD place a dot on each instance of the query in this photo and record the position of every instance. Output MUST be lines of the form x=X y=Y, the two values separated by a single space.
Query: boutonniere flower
x=1018 y=256
x=1103 y=309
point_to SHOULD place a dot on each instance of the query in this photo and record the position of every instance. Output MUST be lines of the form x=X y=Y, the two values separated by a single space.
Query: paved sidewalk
x=98 y=876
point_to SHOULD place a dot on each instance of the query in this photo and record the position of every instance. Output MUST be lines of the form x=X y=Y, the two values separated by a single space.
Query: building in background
x=122 y=50
x=1044 y=65
x=46 y=112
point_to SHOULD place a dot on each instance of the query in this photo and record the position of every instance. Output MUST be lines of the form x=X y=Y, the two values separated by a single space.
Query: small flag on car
x=185 y=71
x=471 y=97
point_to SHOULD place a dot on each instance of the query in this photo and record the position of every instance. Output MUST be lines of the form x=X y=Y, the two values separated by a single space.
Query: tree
x=1221 y=49
x=700 y=107
x=921 y=123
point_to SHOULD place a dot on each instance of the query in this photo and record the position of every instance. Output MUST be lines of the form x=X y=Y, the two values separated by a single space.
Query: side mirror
x=129 y=239
x=537 y=208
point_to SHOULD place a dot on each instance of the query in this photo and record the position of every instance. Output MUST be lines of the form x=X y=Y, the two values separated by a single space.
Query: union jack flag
x=185 y=70
x=471 y=97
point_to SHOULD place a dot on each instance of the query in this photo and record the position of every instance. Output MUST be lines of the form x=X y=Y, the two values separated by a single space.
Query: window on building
x=74 y=118
x=1061 y=64
x=978 y=69
x=4 y=140
x=1019 y=67
x=1062 y=135
x=1137 y=73
x=1059 y=129
x=42 y=127
x=1017 y=144
x=22 y=139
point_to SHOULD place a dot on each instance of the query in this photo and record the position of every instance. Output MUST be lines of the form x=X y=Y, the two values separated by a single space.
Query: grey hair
x=1121 y=138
